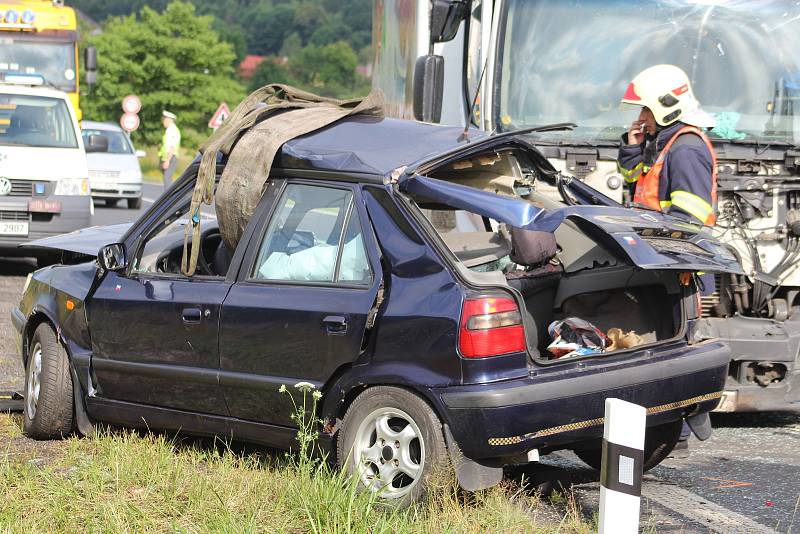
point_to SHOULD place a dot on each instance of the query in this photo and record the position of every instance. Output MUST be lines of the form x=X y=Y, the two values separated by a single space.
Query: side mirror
x=96 y=143
x=141 y=154
x=446 y=16
x=428 y=88
x=112 y=257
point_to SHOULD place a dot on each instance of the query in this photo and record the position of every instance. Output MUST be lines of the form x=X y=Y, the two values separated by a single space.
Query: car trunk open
x=617 y=268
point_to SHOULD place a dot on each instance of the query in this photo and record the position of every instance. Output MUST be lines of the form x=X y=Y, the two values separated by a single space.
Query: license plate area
x=17 y=228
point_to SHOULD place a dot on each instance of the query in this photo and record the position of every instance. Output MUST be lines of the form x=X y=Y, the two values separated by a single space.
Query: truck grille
x=14 y=216
x=708 y=303
x=675 y=246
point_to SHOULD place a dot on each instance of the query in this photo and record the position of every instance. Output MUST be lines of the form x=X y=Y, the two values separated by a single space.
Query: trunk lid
x=649 y=240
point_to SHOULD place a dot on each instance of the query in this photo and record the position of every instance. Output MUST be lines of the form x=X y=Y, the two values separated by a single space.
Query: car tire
x=134 y=203
x=659 y=441
x=48 y=404
x=393 y=430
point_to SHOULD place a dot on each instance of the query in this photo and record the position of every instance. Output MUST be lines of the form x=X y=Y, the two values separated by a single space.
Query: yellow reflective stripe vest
x=648 y=187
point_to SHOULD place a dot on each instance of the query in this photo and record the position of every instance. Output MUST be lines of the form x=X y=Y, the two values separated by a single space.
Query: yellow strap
x=692 y=204
x=630 y=175
x=665 y=204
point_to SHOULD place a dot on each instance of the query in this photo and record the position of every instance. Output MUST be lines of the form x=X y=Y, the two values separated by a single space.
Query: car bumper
x=116 y=190
x=76 y=213
x=556 y=408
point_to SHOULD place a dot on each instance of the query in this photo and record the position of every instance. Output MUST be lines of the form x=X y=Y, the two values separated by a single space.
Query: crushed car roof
x=371 y=145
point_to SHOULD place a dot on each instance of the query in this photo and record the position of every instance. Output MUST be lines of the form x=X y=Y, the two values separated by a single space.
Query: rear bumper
x=555 y=408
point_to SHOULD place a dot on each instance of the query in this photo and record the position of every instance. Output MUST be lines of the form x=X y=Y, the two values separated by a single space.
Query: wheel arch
x=340 y=392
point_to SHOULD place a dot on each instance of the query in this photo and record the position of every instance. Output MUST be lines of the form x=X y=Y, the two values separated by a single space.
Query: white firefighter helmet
x=667 y=91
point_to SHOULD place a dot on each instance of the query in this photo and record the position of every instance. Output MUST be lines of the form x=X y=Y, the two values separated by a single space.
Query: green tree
x=173 y=60
x=270 y=71
x=328 y=70
x=266 y=27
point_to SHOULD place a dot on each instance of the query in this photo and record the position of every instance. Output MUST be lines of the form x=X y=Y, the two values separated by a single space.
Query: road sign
x=129 y=122
x=220 y=115
x=131 y=104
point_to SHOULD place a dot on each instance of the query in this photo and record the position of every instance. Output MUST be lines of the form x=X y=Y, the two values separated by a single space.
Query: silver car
x=114 y=174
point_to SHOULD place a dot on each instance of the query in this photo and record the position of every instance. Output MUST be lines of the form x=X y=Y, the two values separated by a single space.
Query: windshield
x=117 y=141
x=53 y=60
x=571 y=61
x=35 y=121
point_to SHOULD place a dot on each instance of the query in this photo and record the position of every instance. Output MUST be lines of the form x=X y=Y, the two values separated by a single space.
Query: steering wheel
x=209 y=241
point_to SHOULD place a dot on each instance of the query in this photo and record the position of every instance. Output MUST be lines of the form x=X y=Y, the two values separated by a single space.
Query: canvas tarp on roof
x=251 y=138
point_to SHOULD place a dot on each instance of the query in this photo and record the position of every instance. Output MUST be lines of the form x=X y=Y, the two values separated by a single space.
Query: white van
x=44 y=178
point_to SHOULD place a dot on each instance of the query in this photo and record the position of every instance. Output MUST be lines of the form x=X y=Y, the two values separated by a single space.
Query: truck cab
x=44 y=178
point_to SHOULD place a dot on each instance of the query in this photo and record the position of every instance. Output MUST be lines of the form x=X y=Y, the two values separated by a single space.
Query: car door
x=155 y=331
x=298 y=311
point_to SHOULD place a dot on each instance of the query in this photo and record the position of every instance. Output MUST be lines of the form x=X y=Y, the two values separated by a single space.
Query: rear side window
x=314 y=236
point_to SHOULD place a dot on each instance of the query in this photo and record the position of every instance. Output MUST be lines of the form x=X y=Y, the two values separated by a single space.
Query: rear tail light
x=490 y=326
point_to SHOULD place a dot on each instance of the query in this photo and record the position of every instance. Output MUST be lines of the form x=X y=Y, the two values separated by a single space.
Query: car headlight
x=73 y=187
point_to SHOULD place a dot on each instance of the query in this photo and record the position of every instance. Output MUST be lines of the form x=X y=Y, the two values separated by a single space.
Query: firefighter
x=666 y=155
x=668 y=159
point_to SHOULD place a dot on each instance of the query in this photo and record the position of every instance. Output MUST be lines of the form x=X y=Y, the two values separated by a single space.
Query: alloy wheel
x=389 y=452
x=34 y=380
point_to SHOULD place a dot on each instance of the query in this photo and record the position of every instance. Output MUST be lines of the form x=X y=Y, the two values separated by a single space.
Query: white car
x=44 y=186
x=115 y=173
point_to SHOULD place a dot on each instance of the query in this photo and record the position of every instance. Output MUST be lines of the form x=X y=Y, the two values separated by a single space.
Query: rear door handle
x=191 y=315
x=335 y=325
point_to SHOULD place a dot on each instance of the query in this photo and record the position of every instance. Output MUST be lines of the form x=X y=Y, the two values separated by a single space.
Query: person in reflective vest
x=170 y=144
x=668 y=159
x=666 y=156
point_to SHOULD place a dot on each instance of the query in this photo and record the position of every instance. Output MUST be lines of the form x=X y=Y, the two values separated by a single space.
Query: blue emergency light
x=12 y=16
x=39 y=189
x=28 y=16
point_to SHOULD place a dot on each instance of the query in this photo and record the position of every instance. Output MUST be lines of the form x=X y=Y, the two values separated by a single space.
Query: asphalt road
x=746 y=478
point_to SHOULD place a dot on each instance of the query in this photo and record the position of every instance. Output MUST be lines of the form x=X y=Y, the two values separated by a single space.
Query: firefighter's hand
x=164 y=165
x=636 y=133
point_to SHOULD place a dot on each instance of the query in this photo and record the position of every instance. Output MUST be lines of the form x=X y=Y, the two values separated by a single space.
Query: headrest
x=532 y=248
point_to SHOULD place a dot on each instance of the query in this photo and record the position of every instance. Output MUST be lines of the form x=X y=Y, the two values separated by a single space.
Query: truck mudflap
x=555 y=410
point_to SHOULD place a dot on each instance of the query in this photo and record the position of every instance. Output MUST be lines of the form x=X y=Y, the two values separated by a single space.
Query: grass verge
x=124 y=481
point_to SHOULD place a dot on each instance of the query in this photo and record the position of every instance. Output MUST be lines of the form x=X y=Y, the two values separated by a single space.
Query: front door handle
x=191 y=315
x=335 y=325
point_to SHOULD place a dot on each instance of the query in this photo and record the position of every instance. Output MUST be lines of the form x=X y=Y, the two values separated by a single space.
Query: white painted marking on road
x=699 y=509
x=150 y=200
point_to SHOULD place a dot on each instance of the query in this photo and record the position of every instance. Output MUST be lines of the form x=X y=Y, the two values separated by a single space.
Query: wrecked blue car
x=409 y=273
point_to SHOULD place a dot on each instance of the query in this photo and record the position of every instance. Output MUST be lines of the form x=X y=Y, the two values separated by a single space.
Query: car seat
x=536 y=278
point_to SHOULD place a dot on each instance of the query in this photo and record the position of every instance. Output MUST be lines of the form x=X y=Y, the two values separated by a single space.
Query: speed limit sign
x=129 y=122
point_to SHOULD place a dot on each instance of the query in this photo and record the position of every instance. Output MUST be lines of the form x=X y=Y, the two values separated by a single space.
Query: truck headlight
x=73 y=187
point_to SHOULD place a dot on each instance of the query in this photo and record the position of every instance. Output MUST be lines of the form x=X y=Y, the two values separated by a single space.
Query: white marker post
x=621 y=473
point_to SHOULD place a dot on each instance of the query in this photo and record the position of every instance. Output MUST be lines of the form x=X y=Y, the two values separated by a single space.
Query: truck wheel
x=47 y=413
x=658 y=443
x=392 y=441
x=134 y=203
